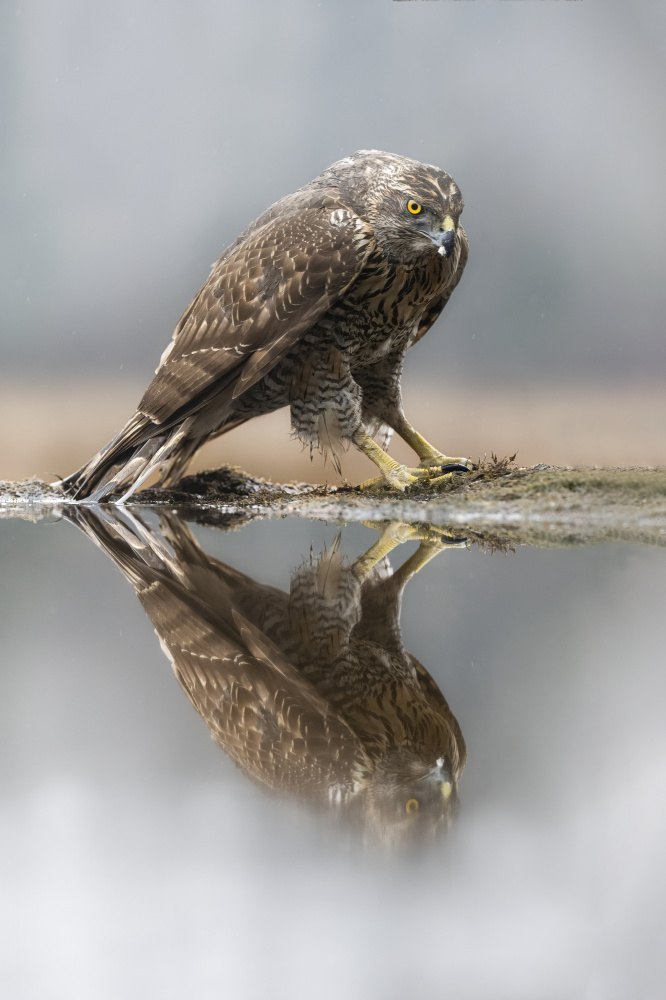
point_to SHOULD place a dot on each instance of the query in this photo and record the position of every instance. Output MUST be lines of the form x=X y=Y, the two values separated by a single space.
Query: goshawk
x=313 y=306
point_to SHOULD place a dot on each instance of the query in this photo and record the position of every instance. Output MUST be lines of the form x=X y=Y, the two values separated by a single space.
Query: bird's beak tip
x=445 y=241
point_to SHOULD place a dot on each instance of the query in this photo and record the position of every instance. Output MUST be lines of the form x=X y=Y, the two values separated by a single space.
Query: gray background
x=138 y=139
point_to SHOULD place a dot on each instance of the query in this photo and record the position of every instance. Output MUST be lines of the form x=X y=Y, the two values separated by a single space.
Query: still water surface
x=445 y=780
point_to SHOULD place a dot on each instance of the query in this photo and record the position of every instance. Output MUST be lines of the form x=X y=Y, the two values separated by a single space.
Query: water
x=137 y=860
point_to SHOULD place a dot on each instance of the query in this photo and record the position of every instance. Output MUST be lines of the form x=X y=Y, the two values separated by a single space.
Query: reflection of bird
x=314 y=305
x=311 y=692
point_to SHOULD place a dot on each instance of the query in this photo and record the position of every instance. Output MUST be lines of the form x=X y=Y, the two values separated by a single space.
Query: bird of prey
x=310 y=693
x=313 y=306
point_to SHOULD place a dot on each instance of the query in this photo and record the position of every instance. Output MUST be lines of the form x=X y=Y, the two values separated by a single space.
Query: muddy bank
x=542 y=505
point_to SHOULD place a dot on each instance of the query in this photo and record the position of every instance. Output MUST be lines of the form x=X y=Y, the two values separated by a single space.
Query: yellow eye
x=414 y=208
x=412 y=806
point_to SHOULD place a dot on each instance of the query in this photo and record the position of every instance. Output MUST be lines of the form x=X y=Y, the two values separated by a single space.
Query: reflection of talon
x=397 y=532
x=432 y=540
x=441 y=538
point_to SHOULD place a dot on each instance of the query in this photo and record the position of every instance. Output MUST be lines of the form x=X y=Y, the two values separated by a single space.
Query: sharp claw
x=404 y=480
x=454 y=467
x=446 y=463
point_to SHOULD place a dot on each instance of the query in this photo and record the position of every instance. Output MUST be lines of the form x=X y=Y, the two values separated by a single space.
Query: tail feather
x=125 y=458
x=160 y=454
x=143 y=447
x=100 y=468
x=133 y=472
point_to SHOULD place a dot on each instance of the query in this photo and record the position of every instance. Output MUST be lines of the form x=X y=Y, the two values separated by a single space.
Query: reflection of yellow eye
x=414 y=208
x=412 y=806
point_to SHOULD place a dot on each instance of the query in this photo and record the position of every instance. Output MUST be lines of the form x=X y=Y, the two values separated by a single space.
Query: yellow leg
x=429 y=455
x=393 y=534
x=432 y=539
x=396 y=475
x=425 y=552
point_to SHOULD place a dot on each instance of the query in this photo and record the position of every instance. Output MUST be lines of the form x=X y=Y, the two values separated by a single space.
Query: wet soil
x=541 y=505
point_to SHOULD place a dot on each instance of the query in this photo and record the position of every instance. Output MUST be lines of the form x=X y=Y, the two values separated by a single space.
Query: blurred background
x=138 y=140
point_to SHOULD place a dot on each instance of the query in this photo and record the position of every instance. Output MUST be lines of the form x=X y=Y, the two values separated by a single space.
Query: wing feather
x=261 y=296
x=260 y=709
x=437 y=699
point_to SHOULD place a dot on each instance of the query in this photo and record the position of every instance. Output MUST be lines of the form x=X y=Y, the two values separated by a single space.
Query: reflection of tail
x=135 y=453
x=137 y=552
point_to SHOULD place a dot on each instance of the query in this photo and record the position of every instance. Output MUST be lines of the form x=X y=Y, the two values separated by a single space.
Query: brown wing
x=259 y=709
x=261 y=296
x=438 y=701
x=436 y=308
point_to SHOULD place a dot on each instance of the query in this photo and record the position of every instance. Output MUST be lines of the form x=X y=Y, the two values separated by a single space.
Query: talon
x=455 y=467
x=403 y=479
x=444 y=462
x=446 y=478
x=399 y=477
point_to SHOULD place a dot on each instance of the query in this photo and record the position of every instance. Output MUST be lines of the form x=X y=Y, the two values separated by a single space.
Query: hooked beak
x=445 y=238
x=441 y=773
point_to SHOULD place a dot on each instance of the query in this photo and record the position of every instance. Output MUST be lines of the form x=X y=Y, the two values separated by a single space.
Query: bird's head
x=408 y=800
x=413 y=208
